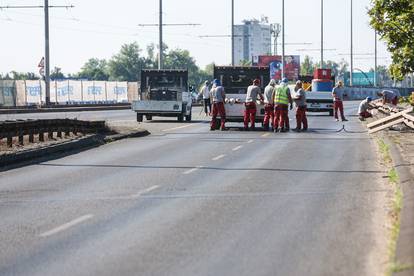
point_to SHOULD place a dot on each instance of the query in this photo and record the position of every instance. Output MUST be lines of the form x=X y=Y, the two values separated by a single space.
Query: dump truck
x=163 y=93
x=235 y=80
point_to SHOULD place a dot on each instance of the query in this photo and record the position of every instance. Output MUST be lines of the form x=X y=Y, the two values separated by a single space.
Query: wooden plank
x=409 y=124
x=391 y=117
x=393 y=123
x=409 y=117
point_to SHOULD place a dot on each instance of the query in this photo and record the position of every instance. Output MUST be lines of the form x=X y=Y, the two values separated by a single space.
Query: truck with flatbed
x=235 y=80
x=163 y=93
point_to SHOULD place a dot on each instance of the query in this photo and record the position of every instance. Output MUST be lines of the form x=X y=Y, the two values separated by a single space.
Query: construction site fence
x=66 y=92
x=360 y=93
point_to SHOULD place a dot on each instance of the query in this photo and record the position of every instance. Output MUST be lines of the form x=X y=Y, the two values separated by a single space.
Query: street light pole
x=160 y=55
x=352 y=46
x=376 y=61
x=321 y=34
x=47 y=54
x=283 y=39
x=232 y=32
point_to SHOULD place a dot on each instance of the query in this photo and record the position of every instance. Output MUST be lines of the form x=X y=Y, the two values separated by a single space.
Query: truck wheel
x=139 y=117
x=188 y=118
x=331 y=113
x=148 y=117
x=180 y=118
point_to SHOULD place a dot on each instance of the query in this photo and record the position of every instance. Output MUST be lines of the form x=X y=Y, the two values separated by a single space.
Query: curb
x=64 y=109
x=405 y=243
x=46 y=153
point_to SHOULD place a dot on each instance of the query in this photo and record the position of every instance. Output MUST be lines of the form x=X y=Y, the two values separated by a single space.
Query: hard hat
x=285 y=80
x=299 y=82
x=272 y=82
x=369 y=99
x=256 y=81
x=217 y=82
x=206 y=82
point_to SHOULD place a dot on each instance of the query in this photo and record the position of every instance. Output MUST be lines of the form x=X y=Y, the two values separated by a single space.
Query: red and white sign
x=42 y=63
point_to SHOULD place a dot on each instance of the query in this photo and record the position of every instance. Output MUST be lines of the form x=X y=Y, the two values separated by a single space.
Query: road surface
x=187 y=201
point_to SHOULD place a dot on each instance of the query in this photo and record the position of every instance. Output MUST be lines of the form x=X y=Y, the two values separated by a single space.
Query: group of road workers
x=277 y=100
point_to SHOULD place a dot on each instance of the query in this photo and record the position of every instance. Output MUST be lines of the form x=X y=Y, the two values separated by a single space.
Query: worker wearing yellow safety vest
x=282 y=101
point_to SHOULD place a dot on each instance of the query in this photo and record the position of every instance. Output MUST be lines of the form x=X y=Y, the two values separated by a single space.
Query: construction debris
x=395 y=115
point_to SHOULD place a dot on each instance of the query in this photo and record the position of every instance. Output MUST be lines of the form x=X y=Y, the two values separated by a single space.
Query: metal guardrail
x=20 y=128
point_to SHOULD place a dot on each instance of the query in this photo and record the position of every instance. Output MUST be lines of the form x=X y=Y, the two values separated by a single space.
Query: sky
x=98 y=28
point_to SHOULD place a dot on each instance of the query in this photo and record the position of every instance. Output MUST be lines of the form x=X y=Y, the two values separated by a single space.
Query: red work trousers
x=301 y=118
x=269 y=115
x=218 y=109
x=365 y=114
x=395 y=101
x=339 y=105
x=281 y=115
x=249 y=114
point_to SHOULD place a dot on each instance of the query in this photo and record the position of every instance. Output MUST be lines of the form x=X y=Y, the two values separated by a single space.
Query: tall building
x=252 y=39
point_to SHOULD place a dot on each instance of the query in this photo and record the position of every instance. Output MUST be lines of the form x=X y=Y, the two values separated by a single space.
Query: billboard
x=292 y=66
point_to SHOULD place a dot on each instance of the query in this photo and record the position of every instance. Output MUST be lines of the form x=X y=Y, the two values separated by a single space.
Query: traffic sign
x=42 y=71
x=41 y=63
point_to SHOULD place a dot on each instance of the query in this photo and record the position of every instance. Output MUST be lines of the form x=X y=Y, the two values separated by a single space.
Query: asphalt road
x=187 y=201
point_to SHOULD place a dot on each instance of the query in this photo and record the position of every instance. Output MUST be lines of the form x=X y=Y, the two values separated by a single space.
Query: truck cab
x=235 y=80
x=164 y=93
x=319 y=91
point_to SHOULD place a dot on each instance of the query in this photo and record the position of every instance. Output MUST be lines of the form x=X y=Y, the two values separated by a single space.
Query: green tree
x=57 y=73
x=181 y=59
x=94 y=69
x=245 y=62
x=307 y=67
x=394 y=22
x=23 y=76
x=127 y=64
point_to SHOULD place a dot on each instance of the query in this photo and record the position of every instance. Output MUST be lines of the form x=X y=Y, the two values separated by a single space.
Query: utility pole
x=47 y=53
x=232 y=32
x=47 y=48
x=160 y=55
x=275 y=30
x=376 y=61
x=283 y=39
x=352 y=46
x=321 y=34
x=160 y=31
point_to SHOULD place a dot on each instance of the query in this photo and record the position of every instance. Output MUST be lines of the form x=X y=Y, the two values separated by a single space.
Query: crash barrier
x=20 y=128
x=394 y=116
x=66 y=92
x=360 y=93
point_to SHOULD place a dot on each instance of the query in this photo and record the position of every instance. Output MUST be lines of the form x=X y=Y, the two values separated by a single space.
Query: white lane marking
x=66 y=226
x=250 y=141
x=218 y=157
x=237 y=148
x=266 y=134
x=176 y=128
x=140 y=193
x=193 y=170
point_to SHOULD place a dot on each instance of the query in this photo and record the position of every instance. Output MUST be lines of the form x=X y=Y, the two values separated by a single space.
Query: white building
x=252 y=39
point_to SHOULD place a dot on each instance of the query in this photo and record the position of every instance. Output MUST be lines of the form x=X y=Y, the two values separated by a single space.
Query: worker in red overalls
x=253 y=91
x=300 y=101
x=282 y=100
x=338 y=94
x=269 y=94
x=218 y=97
